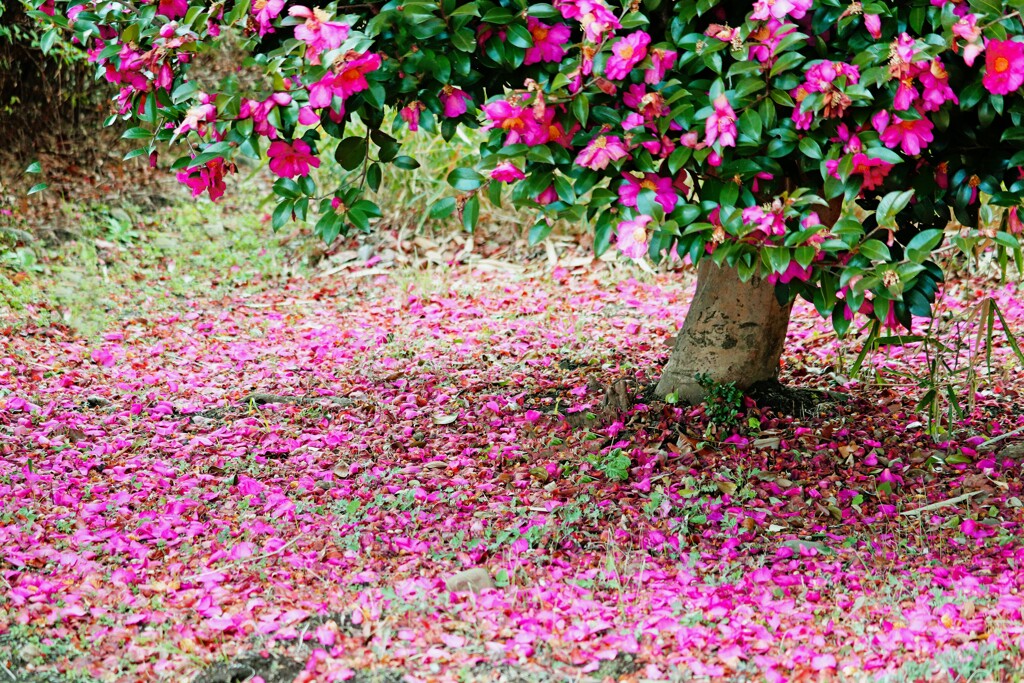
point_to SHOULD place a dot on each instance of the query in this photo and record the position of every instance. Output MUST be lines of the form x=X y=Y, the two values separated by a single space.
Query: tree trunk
x=734 y=332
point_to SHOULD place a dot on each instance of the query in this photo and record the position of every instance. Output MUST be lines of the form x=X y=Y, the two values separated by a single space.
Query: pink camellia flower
x=548 y=196
x=206 y=178
x=290 y=160
x=873 y=23
x=518 y=122
x=454 y=101
x=780 y=9
x=911 y=136
x=264 y=12
x=595 y=17
x=967 y=28
x=349 y=79
x=664 y=190
x=721 y=125
x=661 y=61
x=626 y=53
x=1004 y=66
x=319 y=34
x=197 y=117
x=935 y=90
x=507 y=172
x=793 y=272
x=548 y=41
x=172 y=8
x=631 y=237
x=1013 y=222
x=602 y=150
x=411 y=115
x=769 y=222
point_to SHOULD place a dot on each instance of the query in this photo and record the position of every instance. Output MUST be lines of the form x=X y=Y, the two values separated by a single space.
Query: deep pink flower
x=967 y=28
x=1013 y=222
x=631 y=237
x=793 y=272
x=664 y=190
x=661 y=61
x=197 y=118
x=911 y=136
x=595 y=17
x=507 y=172
x=350 y=79
x=935 y=90
x=873 y=24
x=1004 y=66
x=548 y=41
x=721 y=125
x=780 y=9
x=626 y=53
x=518 y=122
x=769 y=222
x=548 y=196
x=264 y=12
x=411 y=115
x=290 y=160
x=454 y=101
x=319 y=34
x=602 y=150
x=206 y=178
x=172 y=8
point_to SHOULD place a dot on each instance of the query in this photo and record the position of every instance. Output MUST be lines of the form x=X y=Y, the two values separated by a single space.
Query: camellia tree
x=791 y=148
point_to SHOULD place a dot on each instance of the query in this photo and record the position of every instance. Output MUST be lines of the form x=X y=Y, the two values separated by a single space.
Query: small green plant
x=614 y=465
x=724 y=401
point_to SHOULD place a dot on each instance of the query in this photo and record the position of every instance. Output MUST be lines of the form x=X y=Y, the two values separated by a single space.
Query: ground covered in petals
x=241 y=480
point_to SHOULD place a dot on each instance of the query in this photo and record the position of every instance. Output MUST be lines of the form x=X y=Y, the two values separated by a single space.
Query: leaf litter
x=160 y=523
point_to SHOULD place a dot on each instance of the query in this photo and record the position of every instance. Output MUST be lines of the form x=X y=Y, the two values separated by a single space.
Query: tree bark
x=734 y=332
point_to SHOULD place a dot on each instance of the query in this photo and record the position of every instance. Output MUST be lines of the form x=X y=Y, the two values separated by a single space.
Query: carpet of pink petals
x=158 y=524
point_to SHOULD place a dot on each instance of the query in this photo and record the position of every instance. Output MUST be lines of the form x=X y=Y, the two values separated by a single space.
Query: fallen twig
x=942 y=503
x=1001 y=437
x=264 y=399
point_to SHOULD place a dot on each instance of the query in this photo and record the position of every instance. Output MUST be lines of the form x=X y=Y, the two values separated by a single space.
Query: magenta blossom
x=172 y=8
x=507 y=172
x=780 y=9
x=911 y=136
x=661 y=61
x=290 y=160
x=319 y=34
x=454 y=101
x=597 y=20
x=627 y=53
x=548 y=42
x=411 y=115
x=264 y=12
x=602 y=150
x=663 y=188
x=873 y=23
x=206 y=178
x=631 y=237
x=1004 y=66
x=518 y=122
x=349 y=79
x=721 y=125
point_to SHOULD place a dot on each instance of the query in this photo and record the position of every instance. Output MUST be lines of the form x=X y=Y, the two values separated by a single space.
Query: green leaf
x=539 y=232
x=350 y=152
x=442 y=208
x=47 y=40
x=923 y=243
x=38 y=187
x=810 y=148
x=405 y=162
x=34 y=167
x=471 y=213
x=465 y=179
x=875 y=250
x=137 y=133
x=282 y=214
